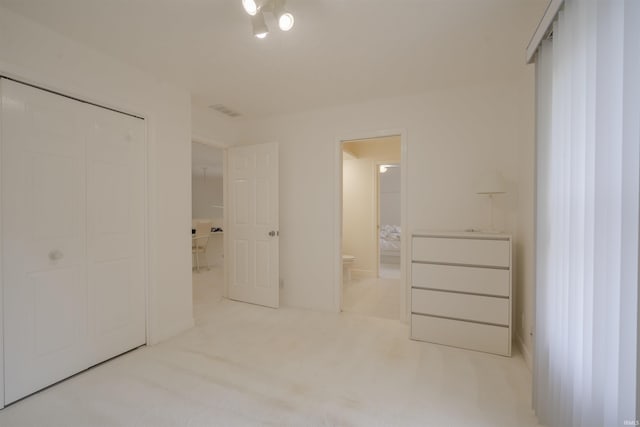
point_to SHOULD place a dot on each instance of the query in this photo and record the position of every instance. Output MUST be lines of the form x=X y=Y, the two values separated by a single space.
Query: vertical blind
x=588 y=176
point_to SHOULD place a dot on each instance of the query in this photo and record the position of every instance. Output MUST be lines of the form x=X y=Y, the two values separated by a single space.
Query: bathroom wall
x=359 y=199
x=390 y=197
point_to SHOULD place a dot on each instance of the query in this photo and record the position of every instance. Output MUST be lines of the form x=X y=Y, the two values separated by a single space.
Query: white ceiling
x=204 y=156
x=339 y=52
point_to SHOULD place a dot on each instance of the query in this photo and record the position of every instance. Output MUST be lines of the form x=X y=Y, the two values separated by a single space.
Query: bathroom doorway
x=390 y=231
x=371 y=215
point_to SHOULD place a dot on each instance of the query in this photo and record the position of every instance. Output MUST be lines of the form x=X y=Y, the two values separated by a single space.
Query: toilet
x=347 y=263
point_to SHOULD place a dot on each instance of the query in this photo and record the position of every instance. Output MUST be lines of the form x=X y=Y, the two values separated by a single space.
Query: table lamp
x=491 y=183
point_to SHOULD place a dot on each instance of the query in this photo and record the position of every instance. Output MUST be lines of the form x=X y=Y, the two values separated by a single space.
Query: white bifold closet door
x=73 y=236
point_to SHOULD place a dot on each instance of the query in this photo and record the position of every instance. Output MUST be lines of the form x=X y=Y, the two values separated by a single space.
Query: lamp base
x=492 y=231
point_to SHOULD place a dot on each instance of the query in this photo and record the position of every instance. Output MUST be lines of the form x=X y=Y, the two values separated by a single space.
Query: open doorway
x=207 y=216
x=389 y=220
x=371 y=227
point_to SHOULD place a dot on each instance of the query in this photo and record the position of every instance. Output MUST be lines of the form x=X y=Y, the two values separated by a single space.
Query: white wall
x=359 y=215
x=33 y=53
x=453 y=135
x=524 y=237
x=209 y=126
x=206 y=197
x=390 y=197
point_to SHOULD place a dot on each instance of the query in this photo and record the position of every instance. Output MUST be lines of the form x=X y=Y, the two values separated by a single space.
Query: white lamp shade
x=491 y=183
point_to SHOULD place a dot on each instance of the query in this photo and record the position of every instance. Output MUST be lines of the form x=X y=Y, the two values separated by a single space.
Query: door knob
x=55 y=255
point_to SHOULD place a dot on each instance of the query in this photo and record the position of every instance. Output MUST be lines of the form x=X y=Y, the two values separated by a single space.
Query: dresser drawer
x=461 y=306
x=489 y=281
x=468 y=251
x=474 y=336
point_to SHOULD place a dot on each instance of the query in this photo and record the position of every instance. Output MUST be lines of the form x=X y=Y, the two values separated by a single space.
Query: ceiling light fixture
x=250 y=7
x=384 y=168
x=257 y=8
x=285 y=18
x=260 y=29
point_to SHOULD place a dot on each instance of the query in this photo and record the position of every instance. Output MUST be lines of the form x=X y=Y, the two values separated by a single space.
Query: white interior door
x=252 y=224
x=73 y=288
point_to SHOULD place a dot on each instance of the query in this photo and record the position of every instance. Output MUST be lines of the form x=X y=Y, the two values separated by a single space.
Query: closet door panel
x=43 y=221
x=115 y=232
x=73 y=243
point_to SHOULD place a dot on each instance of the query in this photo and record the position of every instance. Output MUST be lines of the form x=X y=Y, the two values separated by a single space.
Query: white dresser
x=461 y=290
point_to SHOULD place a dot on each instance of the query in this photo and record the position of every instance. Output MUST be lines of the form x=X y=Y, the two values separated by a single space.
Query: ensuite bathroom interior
x=371 y=226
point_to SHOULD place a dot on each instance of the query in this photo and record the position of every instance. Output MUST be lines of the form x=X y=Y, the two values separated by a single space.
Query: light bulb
x=261 y=35
x=285 y=22
x=250 y=7
x=383 y=168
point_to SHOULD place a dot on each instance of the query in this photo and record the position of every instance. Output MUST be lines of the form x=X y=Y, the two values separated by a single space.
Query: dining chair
x=199 y=242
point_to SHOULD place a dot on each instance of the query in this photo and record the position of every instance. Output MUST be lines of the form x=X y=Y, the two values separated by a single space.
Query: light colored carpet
x=244 y=365
x=372 y=297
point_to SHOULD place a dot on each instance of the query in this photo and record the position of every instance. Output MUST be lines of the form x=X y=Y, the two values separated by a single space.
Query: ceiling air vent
x=224 y=110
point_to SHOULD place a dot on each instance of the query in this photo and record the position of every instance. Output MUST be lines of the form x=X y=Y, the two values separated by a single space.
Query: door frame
x=43 y=83
x=225 y=195
x=337 y=229
x=223 y=147
x=1 y=272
